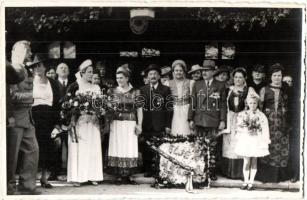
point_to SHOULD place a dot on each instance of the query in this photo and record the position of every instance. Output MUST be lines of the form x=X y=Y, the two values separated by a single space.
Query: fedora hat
x=153 y=67
x=195 y=68
x=209 y=64
x=38 y=58
x=165 y=70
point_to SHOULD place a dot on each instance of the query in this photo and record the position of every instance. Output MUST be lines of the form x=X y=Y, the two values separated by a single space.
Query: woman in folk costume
x=236 y=95
x=253 y=138
x=125 y=127
x=85 y=157
x=274 y=103
x=180 y=90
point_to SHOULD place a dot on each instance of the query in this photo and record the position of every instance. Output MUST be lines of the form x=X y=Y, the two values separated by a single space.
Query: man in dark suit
x=63 y=82
x=22 y=144
x=157 y=114
x=207 y=112
x=62 y=71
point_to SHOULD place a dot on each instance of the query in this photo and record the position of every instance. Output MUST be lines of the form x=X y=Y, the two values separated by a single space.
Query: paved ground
x=222 y=189
x=110 y=191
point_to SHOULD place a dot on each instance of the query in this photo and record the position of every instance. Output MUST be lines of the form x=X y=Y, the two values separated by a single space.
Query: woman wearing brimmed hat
x=274 y=104
x=45 y=110
x=125 y=127
x=84 y=156
x=195 y=72
x=166 y=74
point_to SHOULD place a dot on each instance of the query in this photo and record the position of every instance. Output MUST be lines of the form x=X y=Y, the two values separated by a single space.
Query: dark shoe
x=118 y=181
x=244 y=186
x=250 y=187
x=53 y=177
x=132 y=182
x=148 y=174
x=213 y=177
x=155 y=185
x=30 y=192
x=46 y=185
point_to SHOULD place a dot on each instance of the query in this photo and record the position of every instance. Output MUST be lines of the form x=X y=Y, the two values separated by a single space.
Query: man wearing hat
x=207 y=112
x=156 y=115
x=21 y=139
x=257 y=82
x=166 y=75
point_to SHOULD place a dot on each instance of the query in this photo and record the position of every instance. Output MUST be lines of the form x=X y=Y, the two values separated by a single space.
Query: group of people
x=244 y=122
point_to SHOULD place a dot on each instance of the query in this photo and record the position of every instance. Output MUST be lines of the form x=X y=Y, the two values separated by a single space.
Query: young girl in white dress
x=253 y=138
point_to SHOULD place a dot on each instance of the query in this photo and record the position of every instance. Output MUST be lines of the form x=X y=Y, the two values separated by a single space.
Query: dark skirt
x=232 y=168
x=44 y=119
x=267 y=173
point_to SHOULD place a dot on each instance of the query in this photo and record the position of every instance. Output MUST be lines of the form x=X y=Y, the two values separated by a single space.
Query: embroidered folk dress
x=85 y=157
x=252 y=144
x=186 y=152
x=123 y=142
x=273 y=168
x=232 y=163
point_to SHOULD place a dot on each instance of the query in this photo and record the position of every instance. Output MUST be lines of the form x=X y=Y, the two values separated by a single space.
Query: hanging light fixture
x=139 y=19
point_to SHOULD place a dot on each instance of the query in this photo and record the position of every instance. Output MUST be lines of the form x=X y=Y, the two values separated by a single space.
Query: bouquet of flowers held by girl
x=88 y=103
x=251 y=122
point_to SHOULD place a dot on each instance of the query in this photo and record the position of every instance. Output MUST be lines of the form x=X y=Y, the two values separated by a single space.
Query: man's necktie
x=64 y=84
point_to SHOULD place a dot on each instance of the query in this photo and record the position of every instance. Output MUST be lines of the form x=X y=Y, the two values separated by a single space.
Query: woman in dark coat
x=45 y=110
x=274 y=97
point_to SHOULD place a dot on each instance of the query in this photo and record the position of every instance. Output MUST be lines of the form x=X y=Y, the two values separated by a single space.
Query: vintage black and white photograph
x=154 y=102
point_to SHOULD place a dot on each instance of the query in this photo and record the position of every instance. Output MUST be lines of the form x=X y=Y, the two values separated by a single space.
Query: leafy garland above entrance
x=61 y=20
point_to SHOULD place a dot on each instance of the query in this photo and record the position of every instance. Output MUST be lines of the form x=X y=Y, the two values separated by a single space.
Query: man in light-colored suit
x=207 y=112
x=21 y=139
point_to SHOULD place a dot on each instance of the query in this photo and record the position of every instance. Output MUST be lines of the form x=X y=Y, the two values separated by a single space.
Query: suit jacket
x=14 y=75
x=56 y=104
x=208 y=106
x=157 y=108
x=21 y=99
x=63 y=88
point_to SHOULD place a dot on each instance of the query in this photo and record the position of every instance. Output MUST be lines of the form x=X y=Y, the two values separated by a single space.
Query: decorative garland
x=61 y=19
x=154 y=144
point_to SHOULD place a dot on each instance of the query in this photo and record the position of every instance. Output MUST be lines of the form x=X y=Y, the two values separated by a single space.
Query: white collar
x=61 y=80
x=210 y=81
x=120 y=89
x=155 y=85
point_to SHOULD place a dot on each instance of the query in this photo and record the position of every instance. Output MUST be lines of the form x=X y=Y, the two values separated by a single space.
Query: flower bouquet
x=88 y=103
x=252 y=123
